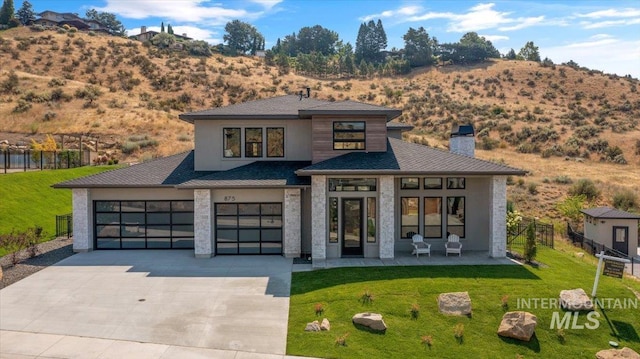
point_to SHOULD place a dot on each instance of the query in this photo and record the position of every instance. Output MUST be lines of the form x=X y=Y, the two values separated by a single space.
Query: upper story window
x=231 y=142
x=349 y=135
x=275 y=142
x=455 y=183
x=410 y=183
x=253 y=142
x=352 y=184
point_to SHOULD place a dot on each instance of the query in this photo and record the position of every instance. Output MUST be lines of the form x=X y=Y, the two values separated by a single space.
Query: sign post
x=613 y=267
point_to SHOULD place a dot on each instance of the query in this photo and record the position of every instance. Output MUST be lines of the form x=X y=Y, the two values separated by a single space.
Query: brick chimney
x=463 y=141
x=143 y=29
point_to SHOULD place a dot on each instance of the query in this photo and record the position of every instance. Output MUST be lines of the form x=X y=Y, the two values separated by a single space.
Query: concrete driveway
x=164 y=297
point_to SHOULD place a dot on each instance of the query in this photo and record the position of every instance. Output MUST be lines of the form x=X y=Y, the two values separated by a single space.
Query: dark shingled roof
x=408 y=158
x=256 y=174
x=608 y=212
x=399 y=125
x=289 y=107
x=167 y=171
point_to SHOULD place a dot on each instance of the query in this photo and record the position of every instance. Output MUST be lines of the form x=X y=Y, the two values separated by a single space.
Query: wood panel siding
x=322 y=135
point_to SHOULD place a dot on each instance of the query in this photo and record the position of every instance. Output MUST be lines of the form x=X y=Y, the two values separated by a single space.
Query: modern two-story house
x=292 y=176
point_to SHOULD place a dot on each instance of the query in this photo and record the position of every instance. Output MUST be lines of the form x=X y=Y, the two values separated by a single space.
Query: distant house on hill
x=145 y=35
x=55 y=19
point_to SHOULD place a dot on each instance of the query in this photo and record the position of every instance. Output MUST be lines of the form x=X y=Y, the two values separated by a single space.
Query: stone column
x=82 y=233
x=386 y=213
x=318 y=217
x=498 y=217
x=202 y=223
x=292 y=222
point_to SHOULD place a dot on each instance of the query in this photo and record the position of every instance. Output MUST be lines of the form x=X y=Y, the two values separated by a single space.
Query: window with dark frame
x=455 y=216
x=455 y=183
x=275 y=141
x=433 y=183
x=352 y=184
x=349 y=135
x=333 y=220
x=253 y=142
x=433 y=217
x=231 y=140
x=410 y=183
x=371 y=219
x=410 y=208
x=248 y=228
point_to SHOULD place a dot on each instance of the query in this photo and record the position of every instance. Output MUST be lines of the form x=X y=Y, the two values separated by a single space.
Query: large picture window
x=253 y=142
x=433 y=217
x=275 y=142
x=410 y=207
x=143 y=224
x=248 y=228
x=455 y=216
x=231 y=142
x=349 y=135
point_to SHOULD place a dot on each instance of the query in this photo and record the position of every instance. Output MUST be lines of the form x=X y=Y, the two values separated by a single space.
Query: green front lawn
x=27 y=199
x=396 y=289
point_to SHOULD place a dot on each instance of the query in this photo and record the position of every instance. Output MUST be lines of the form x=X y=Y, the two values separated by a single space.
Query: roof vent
x=302 y=95
x=463 y=131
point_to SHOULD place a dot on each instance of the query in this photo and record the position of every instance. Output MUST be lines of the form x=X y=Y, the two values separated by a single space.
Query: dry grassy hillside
x=553 y=121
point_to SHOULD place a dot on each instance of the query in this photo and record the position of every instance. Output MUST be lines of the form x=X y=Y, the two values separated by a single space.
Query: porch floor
x=406 y=259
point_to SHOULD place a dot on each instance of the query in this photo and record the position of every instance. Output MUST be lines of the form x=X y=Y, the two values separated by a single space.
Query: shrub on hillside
x=625 y=200
x=586 y=187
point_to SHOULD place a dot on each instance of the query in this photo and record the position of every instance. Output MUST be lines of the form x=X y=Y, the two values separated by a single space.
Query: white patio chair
x=420 y=246
x=453 y=245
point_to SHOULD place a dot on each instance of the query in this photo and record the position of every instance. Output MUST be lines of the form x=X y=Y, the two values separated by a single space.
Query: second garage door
x=248 y=228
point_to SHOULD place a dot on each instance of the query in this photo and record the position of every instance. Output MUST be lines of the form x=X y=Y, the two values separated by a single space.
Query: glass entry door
x=352 y=227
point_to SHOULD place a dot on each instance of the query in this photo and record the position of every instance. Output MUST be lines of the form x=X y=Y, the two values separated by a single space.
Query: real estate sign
x=613 y=268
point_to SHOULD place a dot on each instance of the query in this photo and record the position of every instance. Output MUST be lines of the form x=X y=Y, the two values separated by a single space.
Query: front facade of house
x=293 y=175
x=612 y=228
x=52 y=19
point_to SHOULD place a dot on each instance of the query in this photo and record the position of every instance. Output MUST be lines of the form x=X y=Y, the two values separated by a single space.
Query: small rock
x=325 y=325
x=370 y=320
x=456 y=303
x=624 y=353
x=312 y=327
x=580 y=254
x=518 y=325
x=575 y=300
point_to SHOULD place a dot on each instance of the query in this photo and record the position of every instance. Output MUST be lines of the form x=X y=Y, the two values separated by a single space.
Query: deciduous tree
x=243 y=38
x=418 y=47
x=529 y=52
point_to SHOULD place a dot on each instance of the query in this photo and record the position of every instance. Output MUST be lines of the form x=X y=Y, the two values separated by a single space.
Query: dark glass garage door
x=143 y=224
x=248 y=228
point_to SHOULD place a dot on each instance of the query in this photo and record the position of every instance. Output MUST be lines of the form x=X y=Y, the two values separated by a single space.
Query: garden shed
x=612 y=228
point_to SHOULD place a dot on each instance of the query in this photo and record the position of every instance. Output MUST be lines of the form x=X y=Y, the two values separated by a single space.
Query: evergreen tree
x=530 y=249
x=162 y=27
x=243 y=38
x=169 y=29
x=6 y=12
x=418 y=47
x=529 y=52
x=511 y=55
x=25 y=14
x=370 y=41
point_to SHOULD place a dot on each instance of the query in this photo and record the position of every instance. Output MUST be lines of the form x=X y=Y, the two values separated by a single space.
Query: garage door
x=248 y=228
x=143 y=224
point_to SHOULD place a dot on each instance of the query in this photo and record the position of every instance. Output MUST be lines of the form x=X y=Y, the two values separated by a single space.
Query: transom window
x=455 y=182
x=349 y=135
x=352 y=184
x=410 y=183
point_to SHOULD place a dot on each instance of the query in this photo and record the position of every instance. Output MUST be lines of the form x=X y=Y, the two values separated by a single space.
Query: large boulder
x=624 y=353
x=312 y=327
x=372 y=321
x=575 y=300
x=325 y=325
x=518 y=325
x=456 y=303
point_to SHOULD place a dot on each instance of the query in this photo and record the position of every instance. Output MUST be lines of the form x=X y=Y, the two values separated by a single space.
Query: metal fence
x=544 y=233
x=12 y=159
x=592 y=247
x=64 y=225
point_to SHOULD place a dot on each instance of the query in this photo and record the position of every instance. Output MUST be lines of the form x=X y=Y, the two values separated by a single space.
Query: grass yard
x=27 y=199
x=396 y=289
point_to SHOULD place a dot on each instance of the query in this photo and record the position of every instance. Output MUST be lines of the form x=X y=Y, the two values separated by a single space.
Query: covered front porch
x=404 y=258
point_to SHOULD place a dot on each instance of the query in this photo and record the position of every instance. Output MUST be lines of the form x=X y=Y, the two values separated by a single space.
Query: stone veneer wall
x=292 y=222
x=498 y=217
x=81 y=201
x=202 y=223
x=318 y=217
x=386 y=227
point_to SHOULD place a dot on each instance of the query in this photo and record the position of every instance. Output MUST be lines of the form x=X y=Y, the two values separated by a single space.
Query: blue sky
x=603 y=35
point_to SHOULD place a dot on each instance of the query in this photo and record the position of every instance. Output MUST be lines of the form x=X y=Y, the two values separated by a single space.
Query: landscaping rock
x=580 y=254
x=325 y=325
x=312 y=327
x=518 y=325
x=624 y=353
x=370 y=320
x=575 y=300
x=457 y=303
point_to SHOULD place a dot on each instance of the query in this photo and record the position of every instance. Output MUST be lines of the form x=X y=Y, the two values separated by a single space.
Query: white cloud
x=267 y=4
x=190 y=11
x=523 y=23
x=628 y=12
x=596 y=53
x=402 y=11
x=609 y=23
x=495 y=38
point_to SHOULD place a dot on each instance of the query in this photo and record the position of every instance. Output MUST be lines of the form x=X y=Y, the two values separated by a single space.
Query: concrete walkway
x=156 y=301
